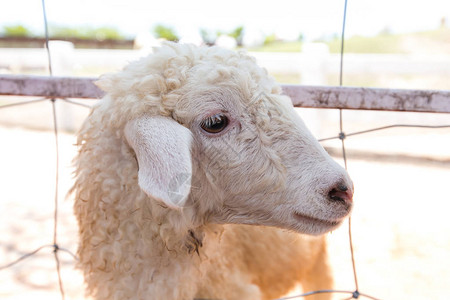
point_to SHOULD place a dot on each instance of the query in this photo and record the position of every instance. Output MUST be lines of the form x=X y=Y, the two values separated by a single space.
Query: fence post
x=314 y=68
x=62 y=54
x=313 y=71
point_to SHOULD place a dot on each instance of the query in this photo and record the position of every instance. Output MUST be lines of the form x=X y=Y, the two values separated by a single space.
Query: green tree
x=16 y=31
x=66 y=32
x=101 y=33
x=270 y=39
x=166 y=32
x=105 y=33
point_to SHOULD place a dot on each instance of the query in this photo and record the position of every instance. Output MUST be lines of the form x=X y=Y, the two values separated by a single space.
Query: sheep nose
x=340 y=193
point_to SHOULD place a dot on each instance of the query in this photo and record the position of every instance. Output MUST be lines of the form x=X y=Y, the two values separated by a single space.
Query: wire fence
x=57 y=248
x=443 y=98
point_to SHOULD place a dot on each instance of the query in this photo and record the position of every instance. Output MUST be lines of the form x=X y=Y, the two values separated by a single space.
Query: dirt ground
x=401 y=228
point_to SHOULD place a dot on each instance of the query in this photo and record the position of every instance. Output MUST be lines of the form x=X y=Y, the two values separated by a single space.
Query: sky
x=285 y=18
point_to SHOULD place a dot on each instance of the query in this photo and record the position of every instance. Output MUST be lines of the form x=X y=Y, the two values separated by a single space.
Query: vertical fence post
x=314 y=68
x=63 y=65
x=62 y=57
x=314 y=71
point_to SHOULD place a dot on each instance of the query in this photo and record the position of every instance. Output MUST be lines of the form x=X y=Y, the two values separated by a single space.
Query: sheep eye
x=215 y=123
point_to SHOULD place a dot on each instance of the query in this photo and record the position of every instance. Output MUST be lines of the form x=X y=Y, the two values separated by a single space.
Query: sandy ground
x=401 y=228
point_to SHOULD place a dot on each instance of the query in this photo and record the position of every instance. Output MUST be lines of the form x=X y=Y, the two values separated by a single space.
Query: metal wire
x=42 y=100
x=384 y=128
x=76 y=103
x=23 y=103
x=355 y=294
x=344 y=22
x=55 y=129
x=49 y=57
x=342 y=137
x=55 y=216
x=29 y=254
x=23 y=257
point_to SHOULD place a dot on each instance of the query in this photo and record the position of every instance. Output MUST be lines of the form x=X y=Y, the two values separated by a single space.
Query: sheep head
x=215 y=139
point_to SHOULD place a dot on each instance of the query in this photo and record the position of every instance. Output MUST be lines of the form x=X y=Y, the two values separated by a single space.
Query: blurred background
x=388 y=43
x=400 y=223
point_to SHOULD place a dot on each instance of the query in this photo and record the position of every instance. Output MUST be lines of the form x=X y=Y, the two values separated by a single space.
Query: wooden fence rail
x=437 y=101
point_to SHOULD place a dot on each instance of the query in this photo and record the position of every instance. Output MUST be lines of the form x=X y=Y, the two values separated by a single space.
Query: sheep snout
x=341 y=193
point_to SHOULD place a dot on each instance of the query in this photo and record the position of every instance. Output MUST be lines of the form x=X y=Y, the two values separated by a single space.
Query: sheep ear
x=162 y=147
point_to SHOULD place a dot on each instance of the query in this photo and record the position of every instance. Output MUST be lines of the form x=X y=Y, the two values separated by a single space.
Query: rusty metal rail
x=437 y=101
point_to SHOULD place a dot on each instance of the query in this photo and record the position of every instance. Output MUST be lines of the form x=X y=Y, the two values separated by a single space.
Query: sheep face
x=233 y=150
x=255 y=162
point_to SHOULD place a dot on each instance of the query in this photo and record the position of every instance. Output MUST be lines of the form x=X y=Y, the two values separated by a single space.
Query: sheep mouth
x=311 y=220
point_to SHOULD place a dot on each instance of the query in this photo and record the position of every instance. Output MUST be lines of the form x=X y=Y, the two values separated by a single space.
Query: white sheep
x=189 y=147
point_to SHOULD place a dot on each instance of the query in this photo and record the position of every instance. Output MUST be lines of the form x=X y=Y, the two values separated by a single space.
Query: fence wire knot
x=342 y=136
x=356 y=294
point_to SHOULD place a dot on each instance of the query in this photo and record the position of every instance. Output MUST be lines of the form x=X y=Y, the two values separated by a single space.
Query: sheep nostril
x=340 y=193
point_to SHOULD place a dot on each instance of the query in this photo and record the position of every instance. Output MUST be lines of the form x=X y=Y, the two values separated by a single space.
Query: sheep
x=194 y=178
